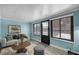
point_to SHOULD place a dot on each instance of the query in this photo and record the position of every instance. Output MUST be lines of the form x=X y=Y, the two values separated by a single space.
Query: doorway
x=45 y=34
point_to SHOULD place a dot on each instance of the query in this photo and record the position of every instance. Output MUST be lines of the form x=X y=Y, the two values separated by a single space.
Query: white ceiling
x=32 y=12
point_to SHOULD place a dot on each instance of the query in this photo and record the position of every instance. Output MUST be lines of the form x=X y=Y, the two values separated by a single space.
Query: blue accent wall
x=73 y=46
x=76 y=32
x=25 y=27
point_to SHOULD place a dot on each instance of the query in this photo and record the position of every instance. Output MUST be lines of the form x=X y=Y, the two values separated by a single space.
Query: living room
x=27 y=29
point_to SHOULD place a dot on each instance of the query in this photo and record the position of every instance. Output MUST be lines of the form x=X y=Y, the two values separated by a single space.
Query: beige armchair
x=5 y=43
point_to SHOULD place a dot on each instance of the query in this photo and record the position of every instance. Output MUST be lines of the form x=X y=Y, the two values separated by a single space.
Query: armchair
x=10 y=40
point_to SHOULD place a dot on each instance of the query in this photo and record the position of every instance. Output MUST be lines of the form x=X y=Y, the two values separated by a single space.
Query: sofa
x=11 y=39
x=5 y=43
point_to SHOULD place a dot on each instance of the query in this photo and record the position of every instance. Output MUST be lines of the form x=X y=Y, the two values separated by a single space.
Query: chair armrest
x=3 y=42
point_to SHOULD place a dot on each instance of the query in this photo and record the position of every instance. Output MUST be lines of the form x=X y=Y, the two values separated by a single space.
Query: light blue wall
x=62 y=43
x=75 y=45
x=76 y=32
x=25 y=27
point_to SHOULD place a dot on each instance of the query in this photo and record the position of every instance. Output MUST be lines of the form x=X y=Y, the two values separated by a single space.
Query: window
x=56 y=28
x=66 y=28
x=45 y=28
x=36 y=29
x=62 y=28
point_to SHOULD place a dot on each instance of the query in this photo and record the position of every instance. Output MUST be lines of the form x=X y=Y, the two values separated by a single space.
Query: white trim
x=75 y=52
x=59 y=47
x=62 y=16
x=37 y=39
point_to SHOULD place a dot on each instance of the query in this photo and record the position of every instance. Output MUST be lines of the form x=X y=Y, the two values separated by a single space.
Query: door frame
x=48 y=29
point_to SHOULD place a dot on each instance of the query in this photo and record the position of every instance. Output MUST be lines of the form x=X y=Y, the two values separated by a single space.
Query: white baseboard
x=66 y=50
x=36 y=39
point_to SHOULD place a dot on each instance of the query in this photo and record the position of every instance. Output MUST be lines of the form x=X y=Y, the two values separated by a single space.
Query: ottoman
x=39 y=50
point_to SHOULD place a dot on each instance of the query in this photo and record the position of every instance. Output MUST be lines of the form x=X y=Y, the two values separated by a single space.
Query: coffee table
x=21 y=47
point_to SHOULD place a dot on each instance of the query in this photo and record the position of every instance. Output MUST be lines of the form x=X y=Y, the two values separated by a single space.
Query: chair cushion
x=9 y=37
x=11 y=42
